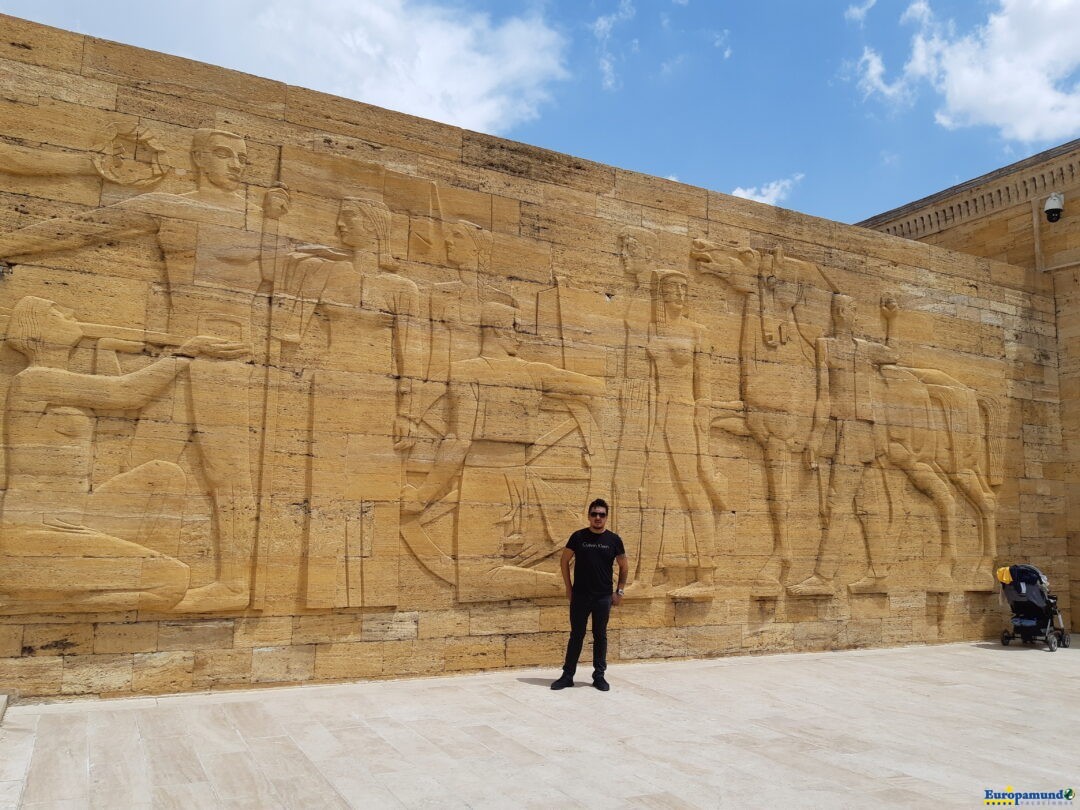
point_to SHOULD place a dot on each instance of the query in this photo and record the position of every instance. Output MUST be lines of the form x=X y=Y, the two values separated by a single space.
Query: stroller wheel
x=1006 y=637
x=1066 y=640
x=1052 y=642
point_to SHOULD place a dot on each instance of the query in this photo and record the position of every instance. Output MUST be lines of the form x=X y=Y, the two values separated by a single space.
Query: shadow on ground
x=536 y=681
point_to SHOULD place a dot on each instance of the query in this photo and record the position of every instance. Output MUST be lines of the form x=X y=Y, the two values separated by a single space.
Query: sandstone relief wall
x=294 y=389
x=1001 y=216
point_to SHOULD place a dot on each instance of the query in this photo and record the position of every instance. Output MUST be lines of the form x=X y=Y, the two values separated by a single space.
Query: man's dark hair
x=599 y=502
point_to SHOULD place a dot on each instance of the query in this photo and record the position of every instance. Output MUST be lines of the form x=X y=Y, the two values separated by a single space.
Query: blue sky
x=838 y=109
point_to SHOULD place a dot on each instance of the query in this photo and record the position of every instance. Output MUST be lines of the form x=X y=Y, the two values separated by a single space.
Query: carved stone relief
x=332 y=381
x=125 y=155
x=67 y=547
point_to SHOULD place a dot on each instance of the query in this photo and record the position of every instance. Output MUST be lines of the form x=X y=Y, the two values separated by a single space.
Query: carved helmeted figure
x=638 y=252
x=680 y=528
x=374 y=345
x=494 y=400
x=65 y=546
x=847 y=367
x=214 y=268
x=455 y=305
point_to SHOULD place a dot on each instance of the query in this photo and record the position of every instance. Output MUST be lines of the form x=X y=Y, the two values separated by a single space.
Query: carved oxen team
x=324 y=414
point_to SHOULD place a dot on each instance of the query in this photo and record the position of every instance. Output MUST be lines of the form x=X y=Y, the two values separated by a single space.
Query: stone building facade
x=299 y=389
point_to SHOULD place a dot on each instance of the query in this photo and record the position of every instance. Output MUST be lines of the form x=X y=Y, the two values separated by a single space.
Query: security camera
x=1055 y=204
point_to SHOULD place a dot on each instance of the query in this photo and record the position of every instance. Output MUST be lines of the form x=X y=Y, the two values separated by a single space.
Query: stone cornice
x=1053 y=170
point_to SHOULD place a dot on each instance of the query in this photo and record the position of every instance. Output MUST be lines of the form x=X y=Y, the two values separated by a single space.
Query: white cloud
x=918 y=12
x=858 y=13
x=720 y=40
x=669 y=66
x=601 y=28
x=417 y=56
x=1017 y=72
x=680 y=2
x=772 y=193
x=872 y=78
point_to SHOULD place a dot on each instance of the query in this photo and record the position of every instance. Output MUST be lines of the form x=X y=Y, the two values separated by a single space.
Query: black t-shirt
x=593 y=556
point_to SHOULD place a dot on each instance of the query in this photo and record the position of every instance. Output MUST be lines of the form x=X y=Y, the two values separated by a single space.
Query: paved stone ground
x=910 y=727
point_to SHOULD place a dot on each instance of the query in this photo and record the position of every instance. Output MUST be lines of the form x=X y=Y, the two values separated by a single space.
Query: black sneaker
x=599 y=683
x=563 y=682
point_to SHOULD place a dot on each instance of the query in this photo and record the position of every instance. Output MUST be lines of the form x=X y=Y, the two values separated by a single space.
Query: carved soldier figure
x=455 y=305
x=846 y=369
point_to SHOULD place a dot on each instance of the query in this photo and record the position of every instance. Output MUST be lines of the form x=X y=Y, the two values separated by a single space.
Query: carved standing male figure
x=846 y=367
x=638 y=248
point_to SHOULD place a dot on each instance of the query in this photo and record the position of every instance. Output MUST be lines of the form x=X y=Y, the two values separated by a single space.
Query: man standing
x=593 y=550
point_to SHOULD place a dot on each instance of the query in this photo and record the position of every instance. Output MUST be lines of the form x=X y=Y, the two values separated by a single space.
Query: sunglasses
x=597 y=514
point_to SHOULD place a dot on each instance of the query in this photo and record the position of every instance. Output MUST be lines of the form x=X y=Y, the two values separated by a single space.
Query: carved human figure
x=682 y=495
x=494 y=402
x=847 y=366
x=374 y=349
x=63 y=547
x=214 y=269
x=636 y=392
x=455 y=305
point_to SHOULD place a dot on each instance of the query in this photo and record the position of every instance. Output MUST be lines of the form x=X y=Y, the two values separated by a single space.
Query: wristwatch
x=620 y=592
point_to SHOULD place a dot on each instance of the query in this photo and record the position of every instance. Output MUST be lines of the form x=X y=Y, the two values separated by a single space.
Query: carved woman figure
x=66 y=546
x=682 y=496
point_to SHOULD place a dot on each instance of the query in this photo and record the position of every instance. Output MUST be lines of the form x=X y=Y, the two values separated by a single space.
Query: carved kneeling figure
x=65 y=546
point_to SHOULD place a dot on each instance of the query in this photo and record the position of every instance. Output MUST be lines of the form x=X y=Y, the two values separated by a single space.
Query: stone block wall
x=1002 y=216
x=298 y=389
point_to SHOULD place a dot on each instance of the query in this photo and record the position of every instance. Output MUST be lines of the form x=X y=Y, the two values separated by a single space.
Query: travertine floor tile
x=58 y=768
x=911 y=727
x=10 y=791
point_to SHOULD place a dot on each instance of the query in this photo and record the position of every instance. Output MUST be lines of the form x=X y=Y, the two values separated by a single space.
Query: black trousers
x=581 y=607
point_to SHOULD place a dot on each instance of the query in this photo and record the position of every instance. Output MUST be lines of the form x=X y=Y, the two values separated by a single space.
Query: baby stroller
x=1035 y=614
